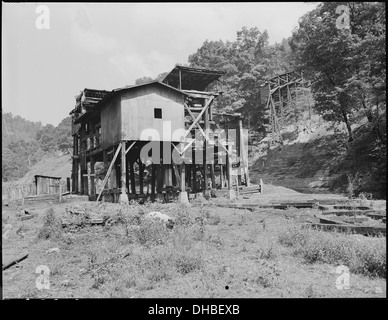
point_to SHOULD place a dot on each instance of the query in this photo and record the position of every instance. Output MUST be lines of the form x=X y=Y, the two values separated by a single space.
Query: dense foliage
x=24 y=143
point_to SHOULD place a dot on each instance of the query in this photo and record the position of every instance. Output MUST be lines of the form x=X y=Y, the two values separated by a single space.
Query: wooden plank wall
x=137 y=106
x=111 y=123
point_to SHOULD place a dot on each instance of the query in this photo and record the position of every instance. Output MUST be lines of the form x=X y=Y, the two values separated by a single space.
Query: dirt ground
x=224 y=253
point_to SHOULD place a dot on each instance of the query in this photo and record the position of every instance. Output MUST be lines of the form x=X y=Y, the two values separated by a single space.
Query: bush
x=182 y=215
x=52 y=227
x=150 y=233
x=367 y=257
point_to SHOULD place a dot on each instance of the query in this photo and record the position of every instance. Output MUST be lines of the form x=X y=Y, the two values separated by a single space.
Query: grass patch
x=366 y=256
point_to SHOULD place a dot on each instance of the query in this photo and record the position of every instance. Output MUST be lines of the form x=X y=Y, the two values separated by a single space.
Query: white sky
x=106 y=46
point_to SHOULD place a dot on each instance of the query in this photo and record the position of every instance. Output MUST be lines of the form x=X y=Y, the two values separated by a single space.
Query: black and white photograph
x=199 y=150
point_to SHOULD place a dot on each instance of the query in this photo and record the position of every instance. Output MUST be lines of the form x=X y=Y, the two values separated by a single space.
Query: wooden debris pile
x=350 y=219
x=78 y=217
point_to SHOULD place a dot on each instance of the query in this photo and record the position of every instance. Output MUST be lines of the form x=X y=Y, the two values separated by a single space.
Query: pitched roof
x=112 y=93
x=192 y=78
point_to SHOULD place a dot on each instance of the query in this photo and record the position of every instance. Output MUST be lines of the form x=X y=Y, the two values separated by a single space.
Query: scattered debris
x=378 y=290
x=28 y=217
x=65 y=283
x=53 y=250
x=75 y=210
x=8 y=228
x=14 y=261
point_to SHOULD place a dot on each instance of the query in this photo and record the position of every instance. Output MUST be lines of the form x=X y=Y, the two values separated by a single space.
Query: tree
x=346 y=66
x=247 y=61
x=143 y=80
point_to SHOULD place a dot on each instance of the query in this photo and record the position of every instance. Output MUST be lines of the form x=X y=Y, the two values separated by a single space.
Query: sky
x=49 y=55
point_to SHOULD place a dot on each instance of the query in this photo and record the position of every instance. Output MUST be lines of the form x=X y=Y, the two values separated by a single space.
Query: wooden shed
x=47 y=184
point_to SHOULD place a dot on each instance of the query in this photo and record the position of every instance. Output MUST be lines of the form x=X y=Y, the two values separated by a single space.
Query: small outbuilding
x=47 y=184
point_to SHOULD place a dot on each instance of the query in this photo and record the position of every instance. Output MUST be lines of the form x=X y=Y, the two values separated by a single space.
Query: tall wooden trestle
x=280 y=94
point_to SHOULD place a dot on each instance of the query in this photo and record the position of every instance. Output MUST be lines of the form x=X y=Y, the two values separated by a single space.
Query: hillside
x=26 y=143
x=317 y=158
x=57 y=165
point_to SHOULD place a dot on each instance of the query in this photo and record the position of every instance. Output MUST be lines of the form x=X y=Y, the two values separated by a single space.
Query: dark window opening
x=158 y=113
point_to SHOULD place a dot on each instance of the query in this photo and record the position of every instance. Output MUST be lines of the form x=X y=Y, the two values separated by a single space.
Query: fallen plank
x=376 y=216
x=352 y=208
x=299 y=204
x=242 y=207
x=348 y=212
x=28 y=217
x=330 y=221
x=67 y=223
x=14 y=261
x=294 y=205
x=348 y=228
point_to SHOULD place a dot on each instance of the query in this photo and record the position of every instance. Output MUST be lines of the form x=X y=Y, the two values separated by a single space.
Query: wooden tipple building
x=111 y=128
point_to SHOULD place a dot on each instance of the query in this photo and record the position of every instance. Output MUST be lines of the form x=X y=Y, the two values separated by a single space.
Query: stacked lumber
x=249 y=190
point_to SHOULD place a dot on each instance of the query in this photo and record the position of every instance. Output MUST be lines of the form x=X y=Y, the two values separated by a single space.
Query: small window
x=158 y=113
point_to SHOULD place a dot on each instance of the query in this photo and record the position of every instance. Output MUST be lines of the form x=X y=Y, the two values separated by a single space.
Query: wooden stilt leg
x=132 y=174
x=92 y=180
x=123 y=196
x=141 y=177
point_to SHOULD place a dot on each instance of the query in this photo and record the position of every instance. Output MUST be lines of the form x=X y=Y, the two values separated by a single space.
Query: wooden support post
x=212 y=175
x=189 y=181
x=127 y=174
x=75 y=188
x=68 y=184
x=229 y=169
x=243 y=158
x=183 y=197
x=153 y=178
x=141 y=176
x=92 y=179
x=60 y=193
x=159 y=179
x=194 y=186
x=132 y=173
x=123 y=196
x=221 y=175
x=183 y=177
x=238 y=151
x=109 y=170
x=205 y=145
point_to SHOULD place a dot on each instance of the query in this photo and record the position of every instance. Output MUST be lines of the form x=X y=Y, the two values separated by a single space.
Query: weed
x=214 y=219
x=182 y=215
x=186 y=263
x=150 y=233
x=367 y=257
x=52 y=228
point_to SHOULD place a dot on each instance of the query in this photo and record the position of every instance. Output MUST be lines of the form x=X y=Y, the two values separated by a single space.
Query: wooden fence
x=15 y=191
